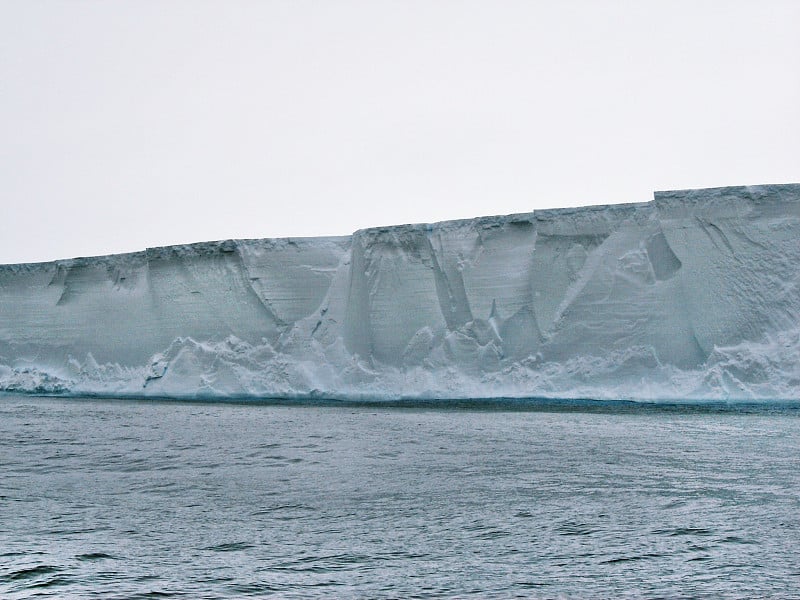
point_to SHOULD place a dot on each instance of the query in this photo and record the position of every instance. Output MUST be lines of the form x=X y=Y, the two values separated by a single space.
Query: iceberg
x=692 y=296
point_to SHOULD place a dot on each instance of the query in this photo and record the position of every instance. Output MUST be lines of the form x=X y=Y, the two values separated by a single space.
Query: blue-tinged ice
x=692 y=296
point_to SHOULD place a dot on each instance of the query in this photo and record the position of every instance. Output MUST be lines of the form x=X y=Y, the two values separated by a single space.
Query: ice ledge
x=730 y=202
x=753 y=193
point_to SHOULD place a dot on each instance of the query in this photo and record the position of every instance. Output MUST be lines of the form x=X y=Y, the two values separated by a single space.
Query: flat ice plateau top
x=692 y=296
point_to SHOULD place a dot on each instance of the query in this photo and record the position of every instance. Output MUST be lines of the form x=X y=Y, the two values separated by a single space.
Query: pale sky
x=128 y=124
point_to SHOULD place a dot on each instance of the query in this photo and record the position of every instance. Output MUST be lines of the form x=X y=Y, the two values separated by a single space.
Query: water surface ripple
x=118 y=499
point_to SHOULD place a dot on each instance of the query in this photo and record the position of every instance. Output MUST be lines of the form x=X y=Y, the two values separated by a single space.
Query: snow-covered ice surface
x=693 y=296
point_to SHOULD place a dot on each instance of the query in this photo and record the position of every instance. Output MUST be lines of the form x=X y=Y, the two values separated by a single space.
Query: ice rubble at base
x=691 y=296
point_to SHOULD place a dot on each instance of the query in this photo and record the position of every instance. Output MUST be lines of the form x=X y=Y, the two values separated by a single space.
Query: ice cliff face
x=693 y=295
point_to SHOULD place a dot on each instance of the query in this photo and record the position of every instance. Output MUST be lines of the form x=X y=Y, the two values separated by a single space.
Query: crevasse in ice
x=692 y=296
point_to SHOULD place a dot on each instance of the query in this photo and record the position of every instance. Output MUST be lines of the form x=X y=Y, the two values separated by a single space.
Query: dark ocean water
x=117 y=499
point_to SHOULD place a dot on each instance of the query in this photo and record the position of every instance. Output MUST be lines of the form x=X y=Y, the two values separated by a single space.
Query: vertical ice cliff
x=693 y=295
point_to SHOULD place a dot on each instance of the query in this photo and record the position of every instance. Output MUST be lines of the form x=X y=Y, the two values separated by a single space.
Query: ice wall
x=691 y=296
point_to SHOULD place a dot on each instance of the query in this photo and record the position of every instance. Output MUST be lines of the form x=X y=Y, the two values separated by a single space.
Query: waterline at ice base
x=694 y=296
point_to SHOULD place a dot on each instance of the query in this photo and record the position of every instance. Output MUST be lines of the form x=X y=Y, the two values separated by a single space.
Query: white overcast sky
x=127 y=124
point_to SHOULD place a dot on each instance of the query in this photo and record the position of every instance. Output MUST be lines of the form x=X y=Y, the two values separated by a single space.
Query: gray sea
x=123 y=499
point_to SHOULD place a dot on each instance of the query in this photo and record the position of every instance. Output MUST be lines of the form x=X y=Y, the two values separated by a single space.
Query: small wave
x=735 y=539
x=12 y=554
x=636 y=557
x=282 y=507
x=30 y=573
x=680 y=531
x=531 y=584
x=252 y=589
x=229 y=547
x=49 y=583
x=323 y=564
x=94 y=556
x=572 y=528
